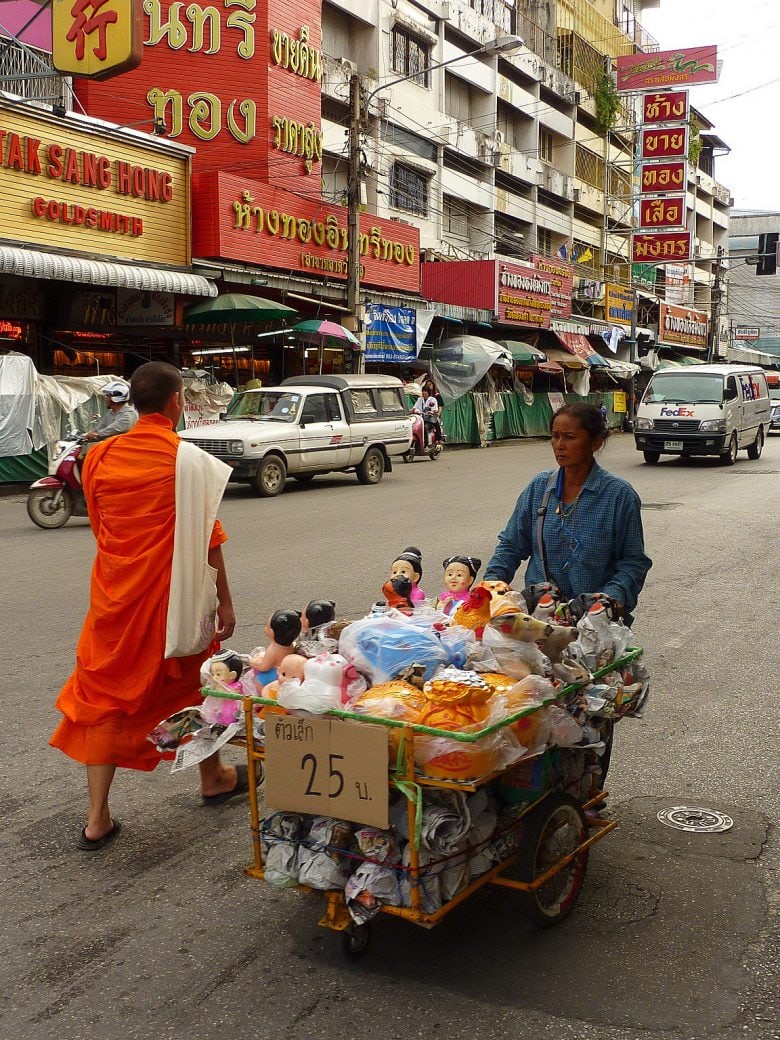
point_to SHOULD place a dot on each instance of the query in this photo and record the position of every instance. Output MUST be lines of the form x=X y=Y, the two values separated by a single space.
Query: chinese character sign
x=96 y=38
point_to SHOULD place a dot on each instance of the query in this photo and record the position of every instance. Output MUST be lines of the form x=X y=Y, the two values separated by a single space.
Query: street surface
x=161 y=935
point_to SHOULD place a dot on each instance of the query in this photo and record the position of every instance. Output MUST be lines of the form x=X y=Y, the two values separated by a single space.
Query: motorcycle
x=432 y=449
x=54 y=499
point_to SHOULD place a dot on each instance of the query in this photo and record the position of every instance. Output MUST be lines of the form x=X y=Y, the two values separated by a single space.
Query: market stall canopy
x=565 y=359
x=459 y=363
x=327 y=329
x=577 y=343
x=233 y=308
x=522 y=353
x=551 y=367
x=621 y=369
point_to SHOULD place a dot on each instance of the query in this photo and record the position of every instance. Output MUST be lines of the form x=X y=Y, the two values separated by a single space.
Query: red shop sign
x=238 y=80
x=525 y=296
x=669 y=106
x=562 y=283
x=667 y=176
x=661 y=69
x=667 y=212
x=237 y=219
x=673 y=245
x=670 y=143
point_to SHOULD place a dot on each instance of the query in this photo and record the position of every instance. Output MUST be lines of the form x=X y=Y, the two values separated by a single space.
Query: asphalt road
x=674 y=936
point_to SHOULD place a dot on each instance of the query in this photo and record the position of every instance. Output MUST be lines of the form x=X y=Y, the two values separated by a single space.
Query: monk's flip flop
x=242 y=786
x=89 y=845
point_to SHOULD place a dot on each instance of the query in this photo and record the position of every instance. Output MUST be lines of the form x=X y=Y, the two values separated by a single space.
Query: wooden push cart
x=555 y=831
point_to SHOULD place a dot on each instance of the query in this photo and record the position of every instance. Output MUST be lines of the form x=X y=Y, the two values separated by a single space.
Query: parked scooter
x=54 y=499
x=434 y=446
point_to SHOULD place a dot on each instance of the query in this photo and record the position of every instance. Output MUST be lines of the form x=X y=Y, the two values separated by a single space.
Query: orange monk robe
x=122 y=686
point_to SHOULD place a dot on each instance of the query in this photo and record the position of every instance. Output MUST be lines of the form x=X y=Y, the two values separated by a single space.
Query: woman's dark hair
x=588 y=416
x=231 y=659
x=286 y=626
x=411 y=554
x=320 y=612
x=472 y=562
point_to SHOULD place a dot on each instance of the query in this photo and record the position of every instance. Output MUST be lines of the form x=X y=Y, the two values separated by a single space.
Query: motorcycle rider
x=428 y=407
x=120 y=417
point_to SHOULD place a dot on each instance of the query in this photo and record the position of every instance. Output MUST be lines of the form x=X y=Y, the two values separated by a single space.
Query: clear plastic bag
x=280 y=843
x=515 y=657
x=319 y=863
x=384 y=647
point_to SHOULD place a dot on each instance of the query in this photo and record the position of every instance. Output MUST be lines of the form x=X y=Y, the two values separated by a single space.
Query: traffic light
x=767 y=253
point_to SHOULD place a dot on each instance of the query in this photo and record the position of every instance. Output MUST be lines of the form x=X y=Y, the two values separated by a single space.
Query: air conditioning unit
x=575 y=194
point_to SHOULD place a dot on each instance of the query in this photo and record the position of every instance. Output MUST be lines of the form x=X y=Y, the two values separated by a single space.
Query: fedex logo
x=677 y=412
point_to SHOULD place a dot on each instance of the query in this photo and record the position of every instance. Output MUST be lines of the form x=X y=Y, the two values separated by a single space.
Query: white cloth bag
x=200 y=483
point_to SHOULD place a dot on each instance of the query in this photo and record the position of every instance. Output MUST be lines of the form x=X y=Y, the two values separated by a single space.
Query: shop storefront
x=95 y=251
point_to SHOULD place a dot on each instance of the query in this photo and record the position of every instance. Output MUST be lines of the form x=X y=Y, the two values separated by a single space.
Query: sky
x=745 y=101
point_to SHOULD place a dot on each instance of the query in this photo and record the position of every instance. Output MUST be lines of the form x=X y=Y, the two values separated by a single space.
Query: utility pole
x=353 y=218
x=717 y=294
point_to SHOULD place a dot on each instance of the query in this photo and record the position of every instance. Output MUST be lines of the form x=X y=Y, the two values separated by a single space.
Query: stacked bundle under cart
x=552 y=837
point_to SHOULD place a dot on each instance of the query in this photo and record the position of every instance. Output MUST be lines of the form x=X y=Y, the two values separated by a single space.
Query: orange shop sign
x=237 y=219
x=96 y=38
x=680 y=326
x=76 y=188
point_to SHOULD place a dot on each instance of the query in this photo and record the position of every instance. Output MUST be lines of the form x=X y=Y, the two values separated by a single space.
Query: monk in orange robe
x=123 y=685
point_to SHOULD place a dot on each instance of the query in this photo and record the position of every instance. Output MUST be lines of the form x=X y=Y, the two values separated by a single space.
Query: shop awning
x=562 y=357
x=577 y=343
x=522 y=352
x=34 y=263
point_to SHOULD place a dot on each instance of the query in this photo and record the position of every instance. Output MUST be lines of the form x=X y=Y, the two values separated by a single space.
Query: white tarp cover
x=459 y=363
x=17 y=404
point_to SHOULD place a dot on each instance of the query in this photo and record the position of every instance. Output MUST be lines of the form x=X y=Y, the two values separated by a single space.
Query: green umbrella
x=234 y=308
x=523 y=353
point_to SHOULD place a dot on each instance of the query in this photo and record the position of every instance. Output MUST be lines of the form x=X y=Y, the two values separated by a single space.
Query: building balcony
x=583 y=19
x=523 y=167
x=336 y=73
x=555 y=181
x=38 y=81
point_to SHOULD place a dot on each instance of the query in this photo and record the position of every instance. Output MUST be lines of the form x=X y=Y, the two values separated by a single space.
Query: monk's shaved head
x=152 y=386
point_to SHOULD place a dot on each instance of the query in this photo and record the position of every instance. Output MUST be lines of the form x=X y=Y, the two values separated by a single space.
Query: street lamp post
x=357 y=107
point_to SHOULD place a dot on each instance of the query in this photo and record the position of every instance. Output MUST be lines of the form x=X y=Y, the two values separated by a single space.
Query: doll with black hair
x=318 y=616
x=408 y=564
x=460 y=573
x=282 y=629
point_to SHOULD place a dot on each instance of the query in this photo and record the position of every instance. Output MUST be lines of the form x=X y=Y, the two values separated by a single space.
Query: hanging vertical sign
x=96 y=38
x=669 y=106
x=390 y=334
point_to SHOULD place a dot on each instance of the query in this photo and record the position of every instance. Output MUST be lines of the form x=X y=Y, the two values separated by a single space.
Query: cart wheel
x=354 y=941
x=555 y=829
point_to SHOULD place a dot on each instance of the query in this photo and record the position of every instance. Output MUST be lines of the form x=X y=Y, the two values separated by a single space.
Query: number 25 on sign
x=327 y=767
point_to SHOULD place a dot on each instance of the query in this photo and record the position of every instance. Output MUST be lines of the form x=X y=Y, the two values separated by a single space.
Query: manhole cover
x=695 y=819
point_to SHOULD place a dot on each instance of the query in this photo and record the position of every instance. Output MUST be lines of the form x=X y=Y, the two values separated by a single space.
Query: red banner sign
x=664 y=144
x=679 y=326
x=238 y=80
x=671 y=245
x=658 y=177
x=562 y=283
x=525 y=296
x=238 y=219
x=667 y=68
x=668 y=212
x=670 y=106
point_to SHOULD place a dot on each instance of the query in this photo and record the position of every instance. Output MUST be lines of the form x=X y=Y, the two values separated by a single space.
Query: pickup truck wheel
x=271 y=475
x=755 y=449
x=372 y=468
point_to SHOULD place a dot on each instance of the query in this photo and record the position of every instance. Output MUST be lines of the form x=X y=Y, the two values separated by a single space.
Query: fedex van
x=704 y=410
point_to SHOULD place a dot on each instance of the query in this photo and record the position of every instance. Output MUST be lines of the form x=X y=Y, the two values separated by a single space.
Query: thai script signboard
x=524 y=296
x=679 y=326
x=667 y=68
x=660 y=143
x=662 y=176
x=666 y=212
x=670 y=106
x=669 y=245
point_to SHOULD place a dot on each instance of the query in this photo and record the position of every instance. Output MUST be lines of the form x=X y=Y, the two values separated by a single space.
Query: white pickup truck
x=310 y=425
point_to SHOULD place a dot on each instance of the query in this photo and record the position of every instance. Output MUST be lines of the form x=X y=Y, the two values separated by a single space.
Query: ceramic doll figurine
x=225 y=669
x=460 y=573
x=316 y=620
x=408 y=564
x=282 y=629
x=289 y=668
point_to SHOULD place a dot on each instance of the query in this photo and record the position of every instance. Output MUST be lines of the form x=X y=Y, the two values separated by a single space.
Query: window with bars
x=544 y=241
x=408 y=189
x=410 y=55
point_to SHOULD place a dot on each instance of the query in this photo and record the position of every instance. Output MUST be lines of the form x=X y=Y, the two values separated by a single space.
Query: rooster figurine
x=474 y=612
x=397 y=592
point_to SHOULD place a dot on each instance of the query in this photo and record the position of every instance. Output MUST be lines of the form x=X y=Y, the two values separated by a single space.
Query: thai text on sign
x=662 y=176
x=524 y=296
x=670 y=245
x=667 y=68
x=664 y=143
x=668 y=212
x=682 y=327
x=669 y=106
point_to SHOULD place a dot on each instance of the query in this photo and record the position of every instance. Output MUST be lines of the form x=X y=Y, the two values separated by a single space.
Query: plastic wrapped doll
x=282 y=629
x=225 y=669
x=408 y=564
x=460 y=573
x=316 y=620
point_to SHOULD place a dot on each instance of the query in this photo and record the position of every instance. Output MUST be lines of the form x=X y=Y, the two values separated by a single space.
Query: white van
x=704 y=410
x=310 y=425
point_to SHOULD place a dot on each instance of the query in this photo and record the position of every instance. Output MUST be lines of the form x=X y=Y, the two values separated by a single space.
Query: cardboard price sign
x=327 y=767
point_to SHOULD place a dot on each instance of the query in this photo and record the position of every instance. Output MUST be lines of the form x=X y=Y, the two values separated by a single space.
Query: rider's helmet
x=116 y=391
